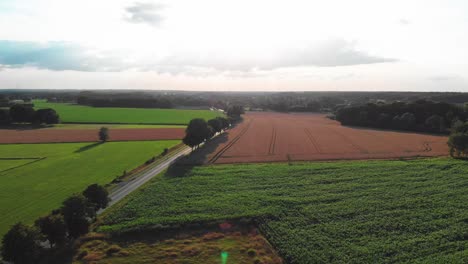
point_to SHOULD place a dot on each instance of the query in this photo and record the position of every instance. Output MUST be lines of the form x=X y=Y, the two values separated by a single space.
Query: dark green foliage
x=197 y=132
x=53 y=228
x=458 y=140
x=338 y=212
x=421 y=115
x=436 y=123
x=76 y=212
x=224 y=122
x=97 y=195
x=235 y=111
x=21 y=245
x=215 y=124
x=46 y=116
x=103 y=134
x=22 y=114
x=5 y=117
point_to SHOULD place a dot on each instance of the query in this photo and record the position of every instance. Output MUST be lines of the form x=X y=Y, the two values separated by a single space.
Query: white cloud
x=147 y=13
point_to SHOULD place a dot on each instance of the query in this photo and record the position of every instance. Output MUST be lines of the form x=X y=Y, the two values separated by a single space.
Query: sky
x=242 y=45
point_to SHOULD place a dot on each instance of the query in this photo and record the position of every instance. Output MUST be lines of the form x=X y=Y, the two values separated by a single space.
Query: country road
x=134 y=184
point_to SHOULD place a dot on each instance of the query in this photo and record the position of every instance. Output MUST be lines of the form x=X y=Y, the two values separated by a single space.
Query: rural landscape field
x=270 y=137
x=233 y=132
x=236 y=186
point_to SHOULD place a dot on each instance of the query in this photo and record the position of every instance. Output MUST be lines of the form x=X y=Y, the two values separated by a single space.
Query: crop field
x=70 y=113
x=269 y=137
x=387 y=211
x=59 y=170
x=88 y=135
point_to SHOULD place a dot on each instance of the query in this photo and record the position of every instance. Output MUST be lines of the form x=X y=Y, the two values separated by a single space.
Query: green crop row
x=335 y=212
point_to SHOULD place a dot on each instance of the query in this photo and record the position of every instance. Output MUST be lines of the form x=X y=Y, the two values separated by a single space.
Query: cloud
x=404 y=21
x=69 y=56
x=332 y=53
x=444 y=78
x=56 y=56
x=147 y=13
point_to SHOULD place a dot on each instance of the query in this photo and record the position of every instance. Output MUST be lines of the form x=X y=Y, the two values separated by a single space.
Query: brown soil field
x=276 y=137
x=87 y=135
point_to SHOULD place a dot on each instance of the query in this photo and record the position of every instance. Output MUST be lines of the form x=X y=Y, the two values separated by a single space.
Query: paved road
x=134 y=184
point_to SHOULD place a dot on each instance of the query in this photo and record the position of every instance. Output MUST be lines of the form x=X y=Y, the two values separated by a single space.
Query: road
x=134 y=184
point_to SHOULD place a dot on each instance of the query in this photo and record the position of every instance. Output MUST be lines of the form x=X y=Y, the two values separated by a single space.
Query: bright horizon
x=211 y=45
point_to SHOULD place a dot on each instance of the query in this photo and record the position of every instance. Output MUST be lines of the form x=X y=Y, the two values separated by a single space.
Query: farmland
x=55 y=171
x=88 y=135
x=341 y=212
x=273 y=137
x=70 y=113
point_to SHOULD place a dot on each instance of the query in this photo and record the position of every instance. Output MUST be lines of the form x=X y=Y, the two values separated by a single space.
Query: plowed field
x=87 y=135
x=270 y=137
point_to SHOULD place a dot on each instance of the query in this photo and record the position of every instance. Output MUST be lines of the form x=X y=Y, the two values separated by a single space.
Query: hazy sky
x=235 y=45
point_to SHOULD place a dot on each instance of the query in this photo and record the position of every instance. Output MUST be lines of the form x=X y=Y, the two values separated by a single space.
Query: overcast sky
x=244 y=45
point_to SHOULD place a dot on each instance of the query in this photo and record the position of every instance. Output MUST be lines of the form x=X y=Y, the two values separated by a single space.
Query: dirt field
x=270 y=137
x=87 y=135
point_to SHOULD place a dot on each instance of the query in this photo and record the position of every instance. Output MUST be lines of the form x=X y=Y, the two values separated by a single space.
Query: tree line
x=421 y=115
x=199 y=130
x=55 y=232
x=19 y=113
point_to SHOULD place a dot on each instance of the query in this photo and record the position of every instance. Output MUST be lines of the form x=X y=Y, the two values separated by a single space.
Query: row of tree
x=424 y=116
x=25 y=244
x=26 y=114
x=199 y=130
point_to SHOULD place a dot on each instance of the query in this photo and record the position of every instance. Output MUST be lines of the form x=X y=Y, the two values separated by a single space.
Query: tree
x=103 y=134
x=53 y=228
x=224 y=122
x=236 y=111
x=22 y=114
x=435 y=123
x=4 y=117
x=197 y=131
x=21 y=244
x=75 y=212
x=97 y=195
x=458 y=144
x=46 y=116
x=215 y=124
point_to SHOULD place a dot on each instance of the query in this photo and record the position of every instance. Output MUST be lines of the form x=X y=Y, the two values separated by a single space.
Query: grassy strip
x=342 y=212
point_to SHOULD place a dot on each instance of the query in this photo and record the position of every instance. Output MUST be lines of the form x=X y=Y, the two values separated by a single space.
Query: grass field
x=32 y=190
x=339 y=212
x=86 y=114
x=8 y=164
x=110 y=126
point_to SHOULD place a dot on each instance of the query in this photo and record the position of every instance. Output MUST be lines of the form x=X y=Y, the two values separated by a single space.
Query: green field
x=8 y=164
x=32 y=190
x=340 y=212
x=111 y=126
x=86 y=114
